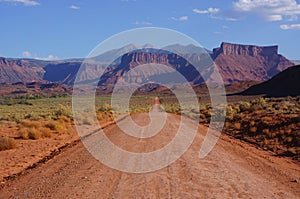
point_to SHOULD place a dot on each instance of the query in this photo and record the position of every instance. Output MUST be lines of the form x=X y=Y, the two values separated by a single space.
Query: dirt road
x=232 y=170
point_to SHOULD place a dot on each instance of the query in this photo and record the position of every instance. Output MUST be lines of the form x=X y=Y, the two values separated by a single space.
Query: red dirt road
x=232 y=170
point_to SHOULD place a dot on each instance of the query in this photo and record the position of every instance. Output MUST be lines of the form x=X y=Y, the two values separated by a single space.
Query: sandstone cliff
x=249 y=63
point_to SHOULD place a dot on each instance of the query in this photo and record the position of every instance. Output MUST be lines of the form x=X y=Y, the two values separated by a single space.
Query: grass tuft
x=7 y=143
x=34 y=134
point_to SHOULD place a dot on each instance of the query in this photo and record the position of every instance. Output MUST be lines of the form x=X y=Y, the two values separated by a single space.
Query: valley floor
x=234 y=169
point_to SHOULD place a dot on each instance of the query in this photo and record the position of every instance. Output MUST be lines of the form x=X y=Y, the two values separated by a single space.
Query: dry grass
x=52 y=125
x=34 y=134
x=46 y=132
x=7 y=143
x=273 y=124
x=88 y=121
x=23 y=133
x=30 y=124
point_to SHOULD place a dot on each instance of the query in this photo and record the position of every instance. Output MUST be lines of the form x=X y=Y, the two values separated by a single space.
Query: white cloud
x=217 y=33
x=270 y=10
x=182 y=18
x=290 y=27
x=74 y=7
x=144 y=23
x=273 y=17
x=208 y=11
x=26 y=54
x=48 y=58
x=24 y=2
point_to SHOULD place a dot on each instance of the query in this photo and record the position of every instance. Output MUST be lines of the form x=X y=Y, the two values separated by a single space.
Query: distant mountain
x=286 y=83
x=236 y=63
x=134 y=59
x=63 y=73
x=296 y=62
x=19 y=70
x=248 y=63
x=105 y=57
x=188 y=49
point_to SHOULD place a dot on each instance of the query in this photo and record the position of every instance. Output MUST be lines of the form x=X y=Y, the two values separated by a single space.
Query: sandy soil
x=232 y=170
x=28 y=152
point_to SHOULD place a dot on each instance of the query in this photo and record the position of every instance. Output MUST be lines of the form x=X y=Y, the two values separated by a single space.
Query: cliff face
x=248 y=63
x=236 y=63
x=19 y=71
x=134 y=59
x=237 y=49
x=64 y=73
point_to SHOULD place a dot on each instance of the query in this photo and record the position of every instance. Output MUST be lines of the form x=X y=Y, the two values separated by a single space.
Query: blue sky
x=59 y=29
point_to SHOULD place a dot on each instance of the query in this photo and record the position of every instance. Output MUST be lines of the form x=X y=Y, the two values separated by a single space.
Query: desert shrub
x=105 y=107
x=25 y=102
x=244 y=106
x=62 y=111
x=237 y=125
x=266 y=131
x=64 y=118
x=271 y=135
x=30 y=124
x=101 y=116
x=104 y=116
x=34 y=134
x=230 y=111
x=52 y=125
x=288 y=139
x=288 y=131
x=23 y=133
x=252 y=123
x=253 y=129
x=206 y=113
x=266 y=142
x=260 y=101
x=172 y=108
x=7 y=143
x=218 y=115
x=275 y=145
x=45 y=132
x=88 y=121
x=256 y=107
x=281 y=131
x=227 y=125
x=79 y=118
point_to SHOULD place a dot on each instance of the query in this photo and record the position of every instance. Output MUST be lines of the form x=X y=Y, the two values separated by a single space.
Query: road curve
x=232 y=170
